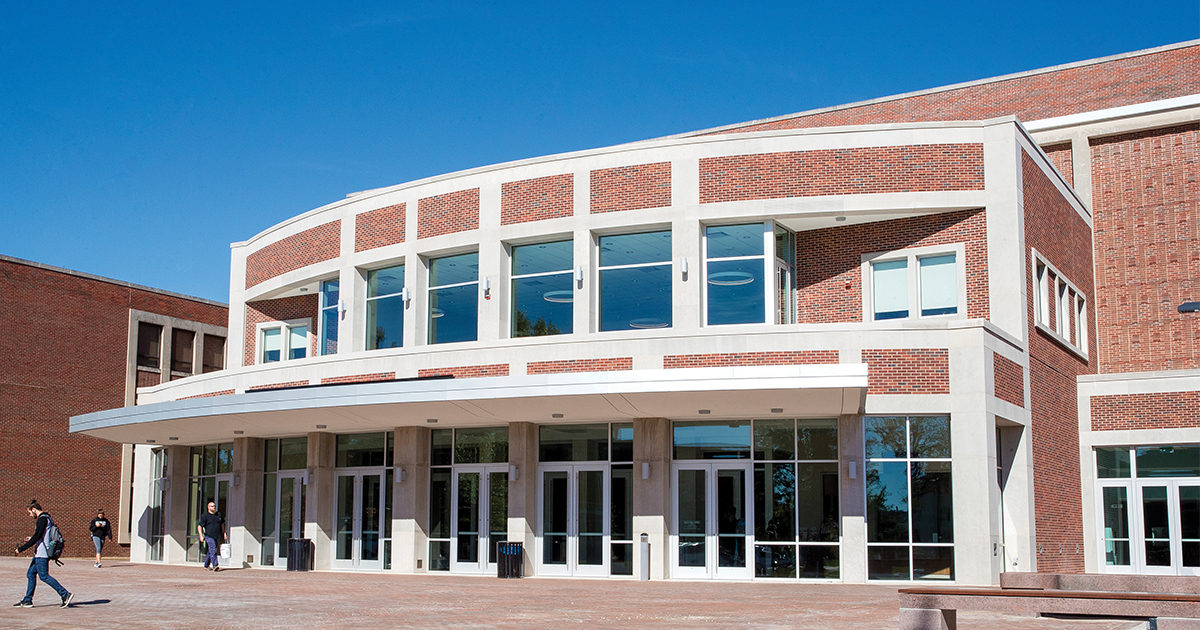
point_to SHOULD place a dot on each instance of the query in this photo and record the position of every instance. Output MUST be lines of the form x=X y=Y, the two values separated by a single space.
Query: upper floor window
x=149 y=344
x=924 y=282
x=785 y=275
x=454 y=298
x=735 y=268
x=182 y=347
x=283 y=340
x=635 y=281
x=542 y=291
x=385 y=308
x=330 y=307
x=1059 y=307
x=214 y=353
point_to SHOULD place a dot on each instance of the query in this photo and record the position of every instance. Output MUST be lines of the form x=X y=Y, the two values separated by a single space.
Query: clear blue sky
x=137 y=142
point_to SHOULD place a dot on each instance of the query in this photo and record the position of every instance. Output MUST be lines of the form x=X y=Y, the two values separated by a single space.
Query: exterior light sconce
x=400 y=475
x=237 y=480
x=341 y=307
x=854 y=470
x=487 y=287
x=405 y=296
x=683 y=267
x=306 y=477
x=645 y=470
x=1189 y=307
x=578 y=273
x=514 y=473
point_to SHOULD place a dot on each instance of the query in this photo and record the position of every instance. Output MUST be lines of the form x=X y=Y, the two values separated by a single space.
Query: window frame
x=430 y=288
x=913 y=257
x=767 y=258
x=404 y=295
x=285 y=327
x=574 y=271
x=1069 y=304
x=326 y=311
x=669 y=263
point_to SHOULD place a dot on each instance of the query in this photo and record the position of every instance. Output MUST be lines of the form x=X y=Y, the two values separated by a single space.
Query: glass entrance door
x=480 y=517
x=289 y=515
x=1170 y=527
x=573 y=518
x=358 y=520
x=712 y=520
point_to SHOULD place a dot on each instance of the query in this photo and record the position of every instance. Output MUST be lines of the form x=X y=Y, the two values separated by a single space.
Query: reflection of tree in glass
x=931 y=437
x=886 y=436
x=525 y=328
x=886 y=522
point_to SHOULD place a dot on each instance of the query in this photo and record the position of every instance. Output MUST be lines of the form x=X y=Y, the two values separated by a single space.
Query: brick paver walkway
x=126 y=596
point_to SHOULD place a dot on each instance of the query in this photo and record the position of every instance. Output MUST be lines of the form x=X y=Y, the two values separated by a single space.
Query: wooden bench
x=936 y=608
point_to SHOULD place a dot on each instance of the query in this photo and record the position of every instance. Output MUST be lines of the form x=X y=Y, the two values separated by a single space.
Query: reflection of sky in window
x=543 y=305
x=385 y=281
x=727 y=241
x=542 y=257
x=632 y=249
x=454 y=269
x=887 y=501
x=453 y=314
x=385 y=323
x=329 y=293
x=726 y=436
x=736 y=292
x=635 y=297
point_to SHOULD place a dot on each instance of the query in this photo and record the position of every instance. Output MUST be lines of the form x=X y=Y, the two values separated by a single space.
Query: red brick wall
x=1146 y=202
x=259 y=388
x=614 y=364
x=631 y=187
x=309 y=247
x=223 y=392
x=797 y=357
x=1139 y=79
x=1008 y=382
x=69 y=358
x=377 y=228
x=1064 y=239
x=282 y=309
x=1062 y=159
x=448 y=213
x=467 y=371
x=537 y=199
x=918 y=168
x=1168 y=410
x=360 y=378
x=908 y=371
x=829 y=285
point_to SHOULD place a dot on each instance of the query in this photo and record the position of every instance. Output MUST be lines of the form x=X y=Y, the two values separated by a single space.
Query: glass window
x=385 y=308
x=297 y=342
x=735 y=273
x=441 y=447
x=931 y=281
x=543 y=290
x=889 y=283
x=362 y=449
x=622 y=441
x=635 y=281
x=573 y=443
x=481 y=446
x=283 y=340
x=1168 y=461
x=1116 y=526
x=182 y=347
x=329 y=317
x=785 y=274
x=712 y=440
x=817 y=439
x=293 y=453
x=454 y=298
x=939 y=285
x=1113 y=463
x=775 y=439
x=149 y=345
x=214 y=353
x=272 y=345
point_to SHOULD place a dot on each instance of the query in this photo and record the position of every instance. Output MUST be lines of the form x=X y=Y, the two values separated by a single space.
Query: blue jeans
x=213 y=551
x=40 y=568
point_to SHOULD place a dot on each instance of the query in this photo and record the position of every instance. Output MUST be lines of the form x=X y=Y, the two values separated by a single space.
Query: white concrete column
x=139 y=527
x=246 y=501
x=652 y=497
x=410 y=501
x=175 y=506
x=522 y=491
x=318 y=513
x=853 y=490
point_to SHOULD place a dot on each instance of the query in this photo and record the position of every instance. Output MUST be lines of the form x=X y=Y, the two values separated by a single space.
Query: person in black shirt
x=211 y=528
x=101 y=531
x=40 y=566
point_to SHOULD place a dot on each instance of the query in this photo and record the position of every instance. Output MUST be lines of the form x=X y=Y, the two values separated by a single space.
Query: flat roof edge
x=91 y=276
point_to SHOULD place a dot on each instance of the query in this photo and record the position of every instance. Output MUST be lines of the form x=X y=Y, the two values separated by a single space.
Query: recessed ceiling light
x=238 y=432
x=303 y=289
x=705 y=412
x=777 y=410
x=172 y=438
x=840 y=219
x=431 y=420
x=320 y=426
x=556 y=415
x=149 y=441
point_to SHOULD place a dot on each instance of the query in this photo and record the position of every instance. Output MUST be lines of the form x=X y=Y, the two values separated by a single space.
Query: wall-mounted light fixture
x=341 y=309
x=683 y=266
x=487 y=287
x=578 y=273
x=854 y=470
x=405 y=296
x=645 y=470
x=514 y=473
x=400 y=475
x=237 y=480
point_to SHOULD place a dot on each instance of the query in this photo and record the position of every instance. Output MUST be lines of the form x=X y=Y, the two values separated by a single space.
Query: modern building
x=79 y=343
x=935 y=336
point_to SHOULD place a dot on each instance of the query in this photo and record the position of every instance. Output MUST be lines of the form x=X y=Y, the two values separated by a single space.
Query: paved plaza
x=127 y=596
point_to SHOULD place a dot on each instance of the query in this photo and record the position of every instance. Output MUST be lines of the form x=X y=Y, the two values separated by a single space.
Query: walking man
x=40 y=566
x=211 y=528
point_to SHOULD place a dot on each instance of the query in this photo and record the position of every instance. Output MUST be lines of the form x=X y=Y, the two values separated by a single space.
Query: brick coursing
x=829 y=283
x=631 y=187
x=379 y=228
x=360 y=378
x=908 y=371
x=1146 y=201
x=537 y=199
x=223 y=392
x=1165 y=410
x=1008 y=380
x=1062 y=159
x=259 y=388
x=448 y=213
x=614 y=364
x=1058 y=233
x=920 y=168
x=306 y=248
x=1128 y=81
x=281 y=309
x=794 y=357
x=467 y=371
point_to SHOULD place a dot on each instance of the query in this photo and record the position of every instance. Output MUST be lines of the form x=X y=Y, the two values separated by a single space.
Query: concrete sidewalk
x=126 y=596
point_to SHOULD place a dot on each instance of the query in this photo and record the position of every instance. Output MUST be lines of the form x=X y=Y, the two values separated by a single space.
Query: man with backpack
x=47 y=543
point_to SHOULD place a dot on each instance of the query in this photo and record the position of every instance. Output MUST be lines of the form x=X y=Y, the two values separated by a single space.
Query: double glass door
x=573 y=518
x=358 y=521
x=711 y=520
x=289 y=514
x=480 y=517
x=1152 y=526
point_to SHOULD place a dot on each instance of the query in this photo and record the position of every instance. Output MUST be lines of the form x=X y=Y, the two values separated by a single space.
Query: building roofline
x=90 y=276
x=945 y=88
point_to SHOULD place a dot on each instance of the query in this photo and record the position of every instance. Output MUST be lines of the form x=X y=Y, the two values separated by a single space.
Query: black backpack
x=54 y=542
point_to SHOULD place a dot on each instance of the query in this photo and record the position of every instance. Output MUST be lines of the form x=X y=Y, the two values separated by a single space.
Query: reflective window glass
x=361 y=449
x=385 y=308
x=481 y=446
x=543 y=289
x=329 y=317
x=886 y=436
x=735 y=274
x=573 y=443
x=1113 y=463
x=442 y=447
x=271 y=344
x=817 y=491
x=887 y=502
x=635 y=281
x=622 y=441
x=1168 y=461
x=297 y=342
x=775 y=502
x=774 y=439
x=454 y=298
x=817 y=439
x=889 y=283
x=149 y=345
x=635 y=249
x=454 y=269
x=730 y=241
x=939 y=285
x=930 y=436
x=712 y=440
x=293 y=453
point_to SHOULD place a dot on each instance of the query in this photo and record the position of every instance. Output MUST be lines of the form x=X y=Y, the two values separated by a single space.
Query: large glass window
x=448 y=448
x=735 y=271
x=330 y=307
x=182 y=347
x=454 y=298
x=209 y=471
x=924 y=284
x=385 y=308
x=283 y=340
x=910 y=516
x=158 y=486
x=543 y=289
x=712 y=440
x=635 y=281
x=214 y=353
x=149 y=345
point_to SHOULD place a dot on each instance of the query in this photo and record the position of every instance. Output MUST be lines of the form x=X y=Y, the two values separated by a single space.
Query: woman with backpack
x=101 y=531
x=44 y=540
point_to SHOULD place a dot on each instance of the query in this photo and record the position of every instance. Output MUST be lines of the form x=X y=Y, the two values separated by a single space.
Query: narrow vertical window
x=297 y=342
x=635 y=281
x=785 y=275
x=329 y=317
x=889 y=283
x=939 y=285
x=735 y=271
x=214 y=353
x=454 y=298
x=182 y=347
x=149 y=345
x=542 y=289
x=385 y=308
x=272 y=345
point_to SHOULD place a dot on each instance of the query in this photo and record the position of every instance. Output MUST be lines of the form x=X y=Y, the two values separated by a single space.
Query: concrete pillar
x=854 y=521
x=246 y=501
x=522 y=491
x=652 y=497
x=318 y=513
x=410 y=501
x=175 y=506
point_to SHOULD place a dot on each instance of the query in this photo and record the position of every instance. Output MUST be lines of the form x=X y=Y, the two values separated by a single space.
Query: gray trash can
x=510 y=560
x=300 y=554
